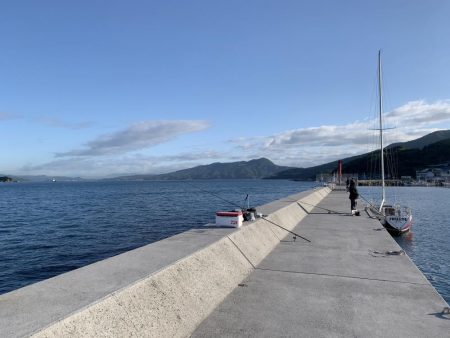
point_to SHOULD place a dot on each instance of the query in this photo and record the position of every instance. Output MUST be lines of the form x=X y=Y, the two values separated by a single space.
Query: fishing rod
x=370 y=203
x=215 y=195
x=246 y=199
x=372 y=208
x=295 y=234
x=246 y=211
x=329 y=210
x=316 y=206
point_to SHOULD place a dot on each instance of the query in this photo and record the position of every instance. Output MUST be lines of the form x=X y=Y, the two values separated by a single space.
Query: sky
x=108 y=88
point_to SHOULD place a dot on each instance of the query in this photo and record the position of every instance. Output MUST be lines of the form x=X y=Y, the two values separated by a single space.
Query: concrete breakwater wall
x=165 y=289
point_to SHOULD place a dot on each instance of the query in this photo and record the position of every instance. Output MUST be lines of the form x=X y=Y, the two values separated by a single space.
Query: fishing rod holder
x=249 y=214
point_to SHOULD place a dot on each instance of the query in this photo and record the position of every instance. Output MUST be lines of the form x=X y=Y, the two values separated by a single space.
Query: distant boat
x=396 y=219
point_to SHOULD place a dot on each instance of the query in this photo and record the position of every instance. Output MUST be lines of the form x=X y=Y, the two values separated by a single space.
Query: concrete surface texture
x=339 y=285
x=169 y=304
x=164 y=289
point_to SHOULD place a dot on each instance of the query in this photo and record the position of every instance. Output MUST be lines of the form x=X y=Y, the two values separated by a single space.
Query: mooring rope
x=387 y=253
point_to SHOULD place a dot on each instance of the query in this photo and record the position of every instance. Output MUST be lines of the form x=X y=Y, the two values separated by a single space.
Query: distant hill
x=431 y=149
x=428 y=150
x=305 y=174
x=423 y=141
x=407 y=161
x=254 y=169
x=408 y=157
x=44 y=178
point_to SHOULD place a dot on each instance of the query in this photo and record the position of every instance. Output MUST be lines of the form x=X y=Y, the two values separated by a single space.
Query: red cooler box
x=229 y=218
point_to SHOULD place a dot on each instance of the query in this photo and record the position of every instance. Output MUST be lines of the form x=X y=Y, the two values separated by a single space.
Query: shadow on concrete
x=441 y=315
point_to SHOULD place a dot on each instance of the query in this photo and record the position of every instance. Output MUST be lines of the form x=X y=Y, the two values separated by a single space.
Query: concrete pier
x=165 y=289
x=342 y=284
x=255 y=281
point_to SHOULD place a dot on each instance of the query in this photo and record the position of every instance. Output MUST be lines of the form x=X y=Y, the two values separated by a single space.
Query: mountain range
x=254 y=169
x=43 y=178
x=431 y=149
x=423 y=141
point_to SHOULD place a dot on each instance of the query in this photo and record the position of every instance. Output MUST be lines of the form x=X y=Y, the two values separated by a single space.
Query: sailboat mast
x=380 y=96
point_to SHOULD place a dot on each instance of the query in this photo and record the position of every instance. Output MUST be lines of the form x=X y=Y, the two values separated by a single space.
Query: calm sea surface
x=50 y=228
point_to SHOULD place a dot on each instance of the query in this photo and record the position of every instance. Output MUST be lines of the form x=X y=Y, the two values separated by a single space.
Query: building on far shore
x=431 y=175
x=435 y=174
x=334 y=178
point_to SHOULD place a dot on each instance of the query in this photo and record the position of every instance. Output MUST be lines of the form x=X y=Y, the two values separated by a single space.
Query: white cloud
x=92 y=167
x=137 y=136
x=316 y=145
x=331 y=136
x=420 y=113
x=204 y=155
x=304 y=147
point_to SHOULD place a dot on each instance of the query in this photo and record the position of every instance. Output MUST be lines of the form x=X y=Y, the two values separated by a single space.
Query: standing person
x=353 y=194
x=347 y=183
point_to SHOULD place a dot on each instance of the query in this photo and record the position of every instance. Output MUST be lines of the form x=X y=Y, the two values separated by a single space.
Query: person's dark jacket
x=353 y=191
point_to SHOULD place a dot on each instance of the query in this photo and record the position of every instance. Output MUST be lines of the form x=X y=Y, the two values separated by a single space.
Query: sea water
x=50 y=228
x=428 y=243
x=54 y=227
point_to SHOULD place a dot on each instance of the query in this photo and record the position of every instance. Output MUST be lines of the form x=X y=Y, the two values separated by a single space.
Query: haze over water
x=50 y=228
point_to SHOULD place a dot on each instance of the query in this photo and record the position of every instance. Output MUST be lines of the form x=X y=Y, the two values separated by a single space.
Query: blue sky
x=101 y=88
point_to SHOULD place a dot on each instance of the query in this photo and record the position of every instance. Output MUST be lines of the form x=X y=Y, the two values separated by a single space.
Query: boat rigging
x=396 y=219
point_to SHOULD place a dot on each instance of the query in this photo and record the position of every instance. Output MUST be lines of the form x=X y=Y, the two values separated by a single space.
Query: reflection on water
x=406 y=242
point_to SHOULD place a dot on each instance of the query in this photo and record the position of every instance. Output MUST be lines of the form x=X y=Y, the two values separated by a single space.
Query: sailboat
x=396 y=219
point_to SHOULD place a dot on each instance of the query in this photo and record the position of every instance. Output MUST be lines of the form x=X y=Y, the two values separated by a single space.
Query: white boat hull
x=396 y=220
x=398 y=224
